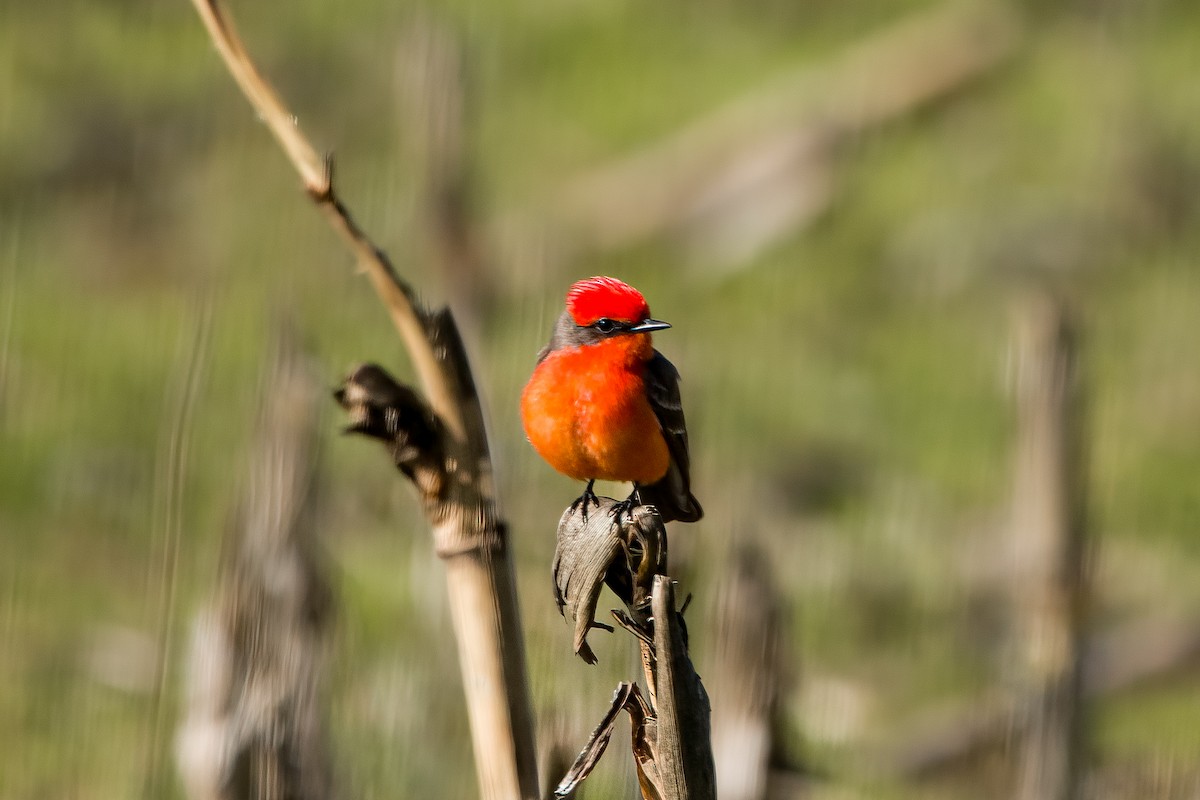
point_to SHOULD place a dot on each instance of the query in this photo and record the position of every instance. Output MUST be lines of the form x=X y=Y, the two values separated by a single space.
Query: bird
x=603 y=404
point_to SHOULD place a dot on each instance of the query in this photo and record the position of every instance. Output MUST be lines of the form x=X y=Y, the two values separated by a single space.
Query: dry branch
x=1048 y=534
x=255 y=725
x=747 y=673
x=467 y=530
x=685 y=761
x=483 y=598
x=670 y=730
x=1057 y=672
x=597 y=743
x=316 y=172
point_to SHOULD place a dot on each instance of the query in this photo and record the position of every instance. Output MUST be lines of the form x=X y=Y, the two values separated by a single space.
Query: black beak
x=647 y=325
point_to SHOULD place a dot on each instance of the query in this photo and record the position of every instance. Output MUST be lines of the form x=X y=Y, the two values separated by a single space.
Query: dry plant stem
x=671 y=741
x=255 y=726
x=482 y=590
x=684 y=757
x=317 y=173
x=482 y=598
x=1049 y=539
x=467 y=531
x=597 y=743
x=747 y=673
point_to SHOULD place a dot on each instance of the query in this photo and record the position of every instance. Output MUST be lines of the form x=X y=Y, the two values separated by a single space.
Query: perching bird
x=603 y=404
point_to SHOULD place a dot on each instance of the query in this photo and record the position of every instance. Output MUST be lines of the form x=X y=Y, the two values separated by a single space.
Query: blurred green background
x=846 y=378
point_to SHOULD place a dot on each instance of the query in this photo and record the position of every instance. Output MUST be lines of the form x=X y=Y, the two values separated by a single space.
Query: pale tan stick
x=1048 y=535
x=466 y=526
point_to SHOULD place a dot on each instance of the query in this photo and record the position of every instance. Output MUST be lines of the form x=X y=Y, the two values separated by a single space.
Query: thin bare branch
x=317 y=174
x=483 y=602
x=263 y=97
x=461 y=507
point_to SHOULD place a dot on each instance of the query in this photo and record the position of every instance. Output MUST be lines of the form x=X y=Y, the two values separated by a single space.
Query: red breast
x=585 y=412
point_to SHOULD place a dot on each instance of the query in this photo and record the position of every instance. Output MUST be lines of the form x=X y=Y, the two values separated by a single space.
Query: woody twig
x=451 y=467
x=670 y=726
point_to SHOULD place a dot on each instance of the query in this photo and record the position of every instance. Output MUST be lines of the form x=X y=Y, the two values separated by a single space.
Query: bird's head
x=604 y=307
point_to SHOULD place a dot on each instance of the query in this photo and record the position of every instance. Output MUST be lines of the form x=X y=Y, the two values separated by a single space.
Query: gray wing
x=673 y=493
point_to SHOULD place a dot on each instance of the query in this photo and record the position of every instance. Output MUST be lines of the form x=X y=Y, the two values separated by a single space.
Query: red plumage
x=595 y=298
x=604 y=404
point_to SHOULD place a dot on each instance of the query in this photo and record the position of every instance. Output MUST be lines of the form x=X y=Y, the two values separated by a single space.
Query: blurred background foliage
x=846 y=382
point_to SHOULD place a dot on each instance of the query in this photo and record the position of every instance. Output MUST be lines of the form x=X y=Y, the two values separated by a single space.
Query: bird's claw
x=581 y=502
x=625 y=507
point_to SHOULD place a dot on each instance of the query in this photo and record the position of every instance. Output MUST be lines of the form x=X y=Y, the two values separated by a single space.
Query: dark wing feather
x=672 y=494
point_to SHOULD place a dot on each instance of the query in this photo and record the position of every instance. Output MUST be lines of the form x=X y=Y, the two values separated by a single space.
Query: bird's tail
x=673 y=500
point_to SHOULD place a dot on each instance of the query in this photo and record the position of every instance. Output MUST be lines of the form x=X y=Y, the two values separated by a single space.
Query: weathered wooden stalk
x=440 y=442
x=747 y=671
x=671 y=730
x=255 y=723
x=1048 y=535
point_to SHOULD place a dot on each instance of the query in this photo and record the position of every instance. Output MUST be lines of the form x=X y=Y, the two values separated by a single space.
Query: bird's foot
x=588 y=496
x=625 y=507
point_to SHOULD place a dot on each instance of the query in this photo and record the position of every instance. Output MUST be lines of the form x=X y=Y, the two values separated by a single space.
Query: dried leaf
x=587 y=759
x=383 y=409
x=589 y=545
x=644 y=735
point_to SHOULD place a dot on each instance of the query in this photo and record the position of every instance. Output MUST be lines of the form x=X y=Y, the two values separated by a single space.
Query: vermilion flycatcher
x=603 y=404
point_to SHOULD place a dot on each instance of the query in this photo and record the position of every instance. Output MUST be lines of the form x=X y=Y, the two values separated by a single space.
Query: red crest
x=594 y=298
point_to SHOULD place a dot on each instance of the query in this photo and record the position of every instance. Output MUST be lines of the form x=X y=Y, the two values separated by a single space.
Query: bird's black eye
x=605 y=325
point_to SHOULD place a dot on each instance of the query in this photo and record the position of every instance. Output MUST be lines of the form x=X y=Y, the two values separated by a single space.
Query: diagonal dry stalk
x=459 y=498
x=316 y=171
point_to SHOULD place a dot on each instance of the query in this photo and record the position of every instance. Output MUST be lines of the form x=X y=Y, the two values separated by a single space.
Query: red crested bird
x=603 y=404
